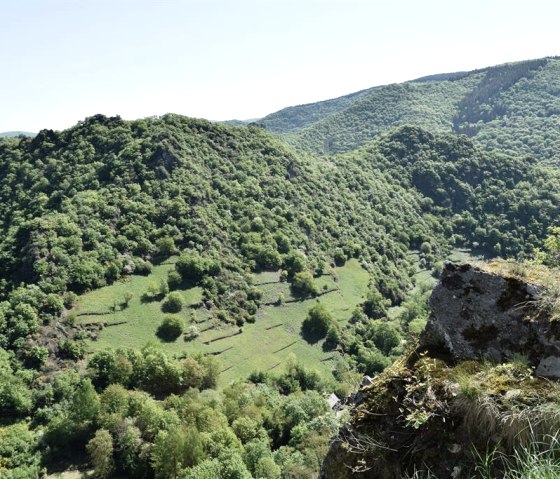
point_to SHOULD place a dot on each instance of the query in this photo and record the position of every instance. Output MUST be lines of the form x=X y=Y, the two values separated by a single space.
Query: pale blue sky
x=64 y=60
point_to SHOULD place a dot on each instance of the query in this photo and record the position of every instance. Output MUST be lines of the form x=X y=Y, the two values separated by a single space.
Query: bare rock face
x=480 y=315
x=423 y=412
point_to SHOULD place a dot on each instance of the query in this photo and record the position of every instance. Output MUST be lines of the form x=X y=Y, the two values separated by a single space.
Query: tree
x=174 y=450
x=171 y=327
x=212 y=366
x=110 y=367
x=19 y=457
x=163 y=287
x=317 y=323
x=153 y=290
x=193 y=373
x=267 y=469
x=375 y=306
x=173 y=279
x=85 y=403
x=303 y=284
x=208 y=469
x=384 y=335
x=245 y=428
x=295 y=262
x=15 y=396
x=191 y=267
x=165 y=246
x=552 y=247
x=173 y=302
x=340 y=257
x=130 y=458
x=157 y=373
x=100 y=451
x=127 y=297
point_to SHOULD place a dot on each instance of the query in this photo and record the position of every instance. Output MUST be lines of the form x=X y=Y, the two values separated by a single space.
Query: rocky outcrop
x=470 y=385
x=481 y=315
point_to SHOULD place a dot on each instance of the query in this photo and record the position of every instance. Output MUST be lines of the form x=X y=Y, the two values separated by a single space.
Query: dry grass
x=547 y=304
x=533 y=273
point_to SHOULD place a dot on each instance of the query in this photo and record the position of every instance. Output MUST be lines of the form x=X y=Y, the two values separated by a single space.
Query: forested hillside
x=216 y=205
x=513 y=108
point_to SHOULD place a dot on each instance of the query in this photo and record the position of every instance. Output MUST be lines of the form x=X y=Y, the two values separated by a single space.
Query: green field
x=264 y=345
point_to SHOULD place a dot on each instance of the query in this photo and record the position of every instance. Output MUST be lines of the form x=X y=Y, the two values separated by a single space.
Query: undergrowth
x=540 y=459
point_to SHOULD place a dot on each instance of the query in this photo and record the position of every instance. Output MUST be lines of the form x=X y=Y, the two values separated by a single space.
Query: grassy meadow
x=264 y=345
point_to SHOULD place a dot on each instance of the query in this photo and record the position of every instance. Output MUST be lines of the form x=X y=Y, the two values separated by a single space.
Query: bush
x=191 y=333
x=372 y=361
x=318 y=322
x=70 y=299
x=36 y=356
x=142 y=267
x=385 y=336
x=340 y=257
x=193 y=267
x=165 y=246
x=295 y=262
x=173 y=279
x=173 y=303
x=375 y=306
x=171 y=327
x=70 y=349
x=303 y=284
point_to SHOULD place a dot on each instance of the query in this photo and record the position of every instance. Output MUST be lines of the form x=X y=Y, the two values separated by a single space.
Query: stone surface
x=549 y=367
x=416 y=414
x=480 y=315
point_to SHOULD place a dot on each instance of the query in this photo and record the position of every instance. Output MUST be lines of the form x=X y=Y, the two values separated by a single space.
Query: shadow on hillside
x=147 y=298
x=312 y=336
x=95 y=313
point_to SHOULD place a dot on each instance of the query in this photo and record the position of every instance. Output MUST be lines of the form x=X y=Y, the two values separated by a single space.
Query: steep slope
x=297 y=117
x=471 y=397
x=429 y=105
x=83 y=207
x=89 y=205
x=106 y=199
x=501 y=204
x=512 y=108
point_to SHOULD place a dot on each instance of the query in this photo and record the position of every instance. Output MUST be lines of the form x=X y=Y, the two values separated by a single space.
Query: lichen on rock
x=468 y=385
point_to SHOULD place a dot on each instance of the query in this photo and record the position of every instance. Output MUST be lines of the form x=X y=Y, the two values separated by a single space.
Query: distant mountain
x=514 y=108
x=11 y=134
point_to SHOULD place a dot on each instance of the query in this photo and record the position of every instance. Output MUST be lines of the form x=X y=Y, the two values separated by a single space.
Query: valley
x=179 y=298
x=264 y=345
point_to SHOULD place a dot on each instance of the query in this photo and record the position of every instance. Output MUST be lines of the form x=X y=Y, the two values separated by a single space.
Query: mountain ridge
x=512 y=108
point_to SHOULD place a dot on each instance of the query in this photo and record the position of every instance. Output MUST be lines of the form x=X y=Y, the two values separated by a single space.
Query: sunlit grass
x=264 y=345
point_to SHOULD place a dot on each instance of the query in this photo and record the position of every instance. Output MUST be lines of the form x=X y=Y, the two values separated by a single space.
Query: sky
x=65 y=60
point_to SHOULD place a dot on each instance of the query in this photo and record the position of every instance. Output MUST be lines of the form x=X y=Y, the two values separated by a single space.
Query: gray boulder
x=479 y=315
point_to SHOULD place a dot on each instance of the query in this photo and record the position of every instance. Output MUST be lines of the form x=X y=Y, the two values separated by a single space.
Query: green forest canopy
x=108 y=198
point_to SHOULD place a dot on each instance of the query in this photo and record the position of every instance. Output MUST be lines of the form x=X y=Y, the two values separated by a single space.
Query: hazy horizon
x=243 y=59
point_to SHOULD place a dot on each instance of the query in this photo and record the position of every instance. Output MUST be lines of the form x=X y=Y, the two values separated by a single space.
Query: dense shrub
x=303 y=284
x=317 y=322
x=173 y=302
x=171 y=327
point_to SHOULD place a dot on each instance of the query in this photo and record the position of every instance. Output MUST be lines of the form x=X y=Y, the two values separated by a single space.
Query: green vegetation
x=171 y=327
x=512 y=108
x=317 y=323
x=277 y=424
x=177 y=297
x=486 y=417
x=497 y=204
x=13 y=134
x=173 y=303
x=266 y=344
